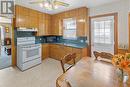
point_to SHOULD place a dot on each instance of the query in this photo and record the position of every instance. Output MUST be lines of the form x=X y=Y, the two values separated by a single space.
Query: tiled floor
x=43 y=75
x=5 y=60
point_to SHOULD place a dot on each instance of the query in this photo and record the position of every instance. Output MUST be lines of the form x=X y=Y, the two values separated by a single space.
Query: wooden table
x=90 y=73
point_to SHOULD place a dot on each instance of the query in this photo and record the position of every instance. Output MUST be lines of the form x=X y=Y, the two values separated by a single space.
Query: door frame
x=115 y=31
x=129 y=29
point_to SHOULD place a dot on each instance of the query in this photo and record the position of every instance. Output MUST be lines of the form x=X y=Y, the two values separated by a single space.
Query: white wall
x=122 y=7
x=5 y=20
x=129 y=5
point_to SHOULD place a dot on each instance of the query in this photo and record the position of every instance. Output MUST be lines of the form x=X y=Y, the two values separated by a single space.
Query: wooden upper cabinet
x=33 y=19
x=41 y=22
x=21 y=16
x=80 y=14
x=82 y=22
x=44 y=24
x=81 y=26
x=47 y=24
x=29 y=18
x=56 y=25
x=82 y=11
x=26 y=17
x=51 y=24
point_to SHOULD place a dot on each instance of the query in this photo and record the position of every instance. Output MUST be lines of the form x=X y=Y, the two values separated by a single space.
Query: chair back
x=66 y=59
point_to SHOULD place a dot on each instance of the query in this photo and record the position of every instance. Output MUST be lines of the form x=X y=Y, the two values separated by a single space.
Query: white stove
x=28 y=53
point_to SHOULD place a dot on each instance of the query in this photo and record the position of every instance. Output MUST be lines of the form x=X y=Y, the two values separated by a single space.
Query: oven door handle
x=30 y=48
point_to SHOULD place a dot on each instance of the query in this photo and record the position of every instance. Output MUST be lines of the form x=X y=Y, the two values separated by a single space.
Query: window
x=103 y=31
x=69 y=31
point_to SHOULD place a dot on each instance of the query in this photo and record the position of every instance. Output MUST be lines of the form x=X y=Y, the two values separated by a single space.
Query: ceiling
x=73 y=4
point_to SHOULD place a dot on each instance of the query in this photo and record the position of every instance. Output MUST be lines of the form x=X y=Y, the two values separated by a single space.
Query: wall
x=122 y=8
x=129 y=5
x=6 y=22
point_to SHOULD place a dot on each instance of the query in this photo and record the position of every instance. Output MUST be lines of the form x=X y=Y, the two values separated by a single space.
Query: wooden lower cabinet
x=56 y=51
x=59 y=51
x=45 y=51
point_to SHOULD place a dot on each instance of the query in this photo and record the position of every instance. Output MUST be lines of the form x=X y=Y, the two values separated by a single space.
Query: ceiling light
x=41 y=5
x=56 y=6
x=50 y=4
x=46 y=5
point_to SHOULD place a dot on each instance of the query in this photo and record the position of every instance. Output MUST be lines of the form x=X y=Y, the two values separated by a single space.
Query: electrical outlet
x=81 y=41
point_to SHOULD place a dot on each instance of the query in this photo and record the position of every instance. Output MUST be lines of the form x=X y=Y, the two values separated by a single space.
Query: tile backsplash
x=59 y=39
x=50 y=38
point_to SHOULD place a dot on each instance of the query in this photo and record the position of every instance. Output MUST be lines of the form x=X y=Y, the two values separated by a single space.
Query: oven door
x=31 y=53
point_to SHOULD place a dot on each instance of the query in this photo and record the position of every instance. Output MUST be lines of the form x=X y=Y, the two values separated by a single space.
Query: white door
x=102 y=33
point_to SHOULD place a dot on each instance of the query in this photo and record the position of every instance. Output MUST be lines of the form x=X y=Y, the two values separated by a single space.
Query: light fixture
x=56 y=6
x=50 y=4
x=41 y=5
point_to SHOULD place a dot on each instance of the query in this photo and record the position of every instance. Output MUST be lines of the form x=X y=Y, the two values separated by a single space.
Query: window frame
x=70 y=30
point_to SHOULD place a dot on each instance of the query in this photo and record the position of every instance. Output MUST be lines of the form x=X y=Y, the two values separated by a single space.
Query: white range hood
x=27 y=29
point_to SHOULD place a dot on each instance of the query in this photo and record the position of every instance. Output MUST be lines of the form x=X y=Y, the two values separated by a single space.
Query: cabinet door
x=54 y=52
x=41 y=25
x=45 y=51
x=22 y=21
x=56 y=28
x=81 y=26
x=33 y=19
x=78 y=53
x=47 y=24
x=53 y=25
x=84 y=52
x=22 y=10
x=21 y=16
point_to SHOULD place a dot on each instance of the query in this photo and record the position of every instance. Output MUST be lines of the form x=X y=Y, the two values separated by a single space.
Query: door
x=102 y=34
x=5 y=46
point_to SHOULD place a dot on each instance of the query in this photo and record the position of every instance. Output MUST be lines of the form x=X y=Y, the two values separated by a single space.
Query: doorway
x=104 y=34
x=5 y=43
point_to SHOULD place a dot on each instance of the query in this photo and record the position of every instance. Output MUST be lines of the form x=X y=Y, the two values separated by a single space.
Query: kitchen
x=41 y=38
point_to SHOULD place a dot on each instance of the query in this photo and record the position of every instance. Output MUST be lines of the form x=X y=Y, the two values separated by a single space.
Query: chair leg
x=74 y=61
x=62 y=65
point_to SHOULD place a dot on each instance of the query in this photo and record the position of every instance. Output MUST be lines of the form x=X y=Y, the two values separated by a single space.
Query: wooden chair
x=66 y=59
x=64 y=84
x=102 y=55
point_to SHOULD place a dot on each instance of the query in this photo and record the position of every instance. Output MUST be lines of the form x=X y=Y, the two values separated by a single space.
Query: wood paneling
x=13 y=51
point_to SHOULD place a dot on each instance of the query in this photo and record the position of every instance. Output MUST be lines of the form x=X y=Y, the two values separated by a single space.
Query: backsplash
x=22 y=34
x=77 y=41
x=50 y=38
x=59 y=39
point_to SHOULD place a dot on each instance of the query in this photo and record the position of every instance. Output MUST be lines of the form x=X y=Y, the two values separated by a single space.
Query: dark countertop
x=75 y=45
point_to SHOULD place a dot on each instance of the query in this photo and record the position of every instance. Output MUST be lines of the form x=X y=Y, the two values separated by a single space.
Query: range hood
x=27 y=29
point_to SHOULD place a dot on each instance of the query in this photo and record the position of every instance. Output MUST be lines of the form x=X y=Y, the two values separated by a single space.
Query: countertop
x=75 y=45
